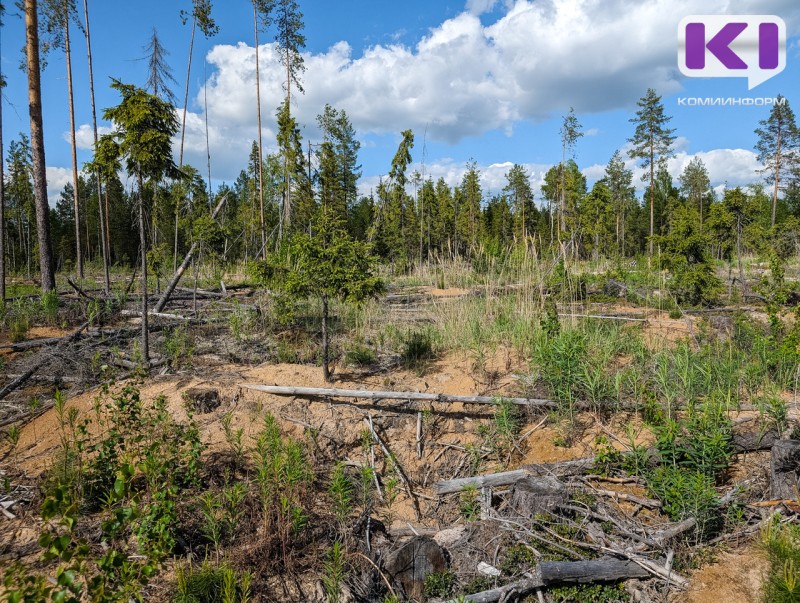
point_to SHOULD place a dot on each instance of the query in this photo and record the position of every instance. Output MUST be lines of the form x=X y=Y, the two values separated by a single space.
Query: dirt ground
x=736 y=575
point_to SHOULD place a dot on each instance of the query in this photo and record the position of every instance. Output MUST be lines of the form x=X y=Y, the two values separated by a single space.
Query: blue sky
x=486 y=80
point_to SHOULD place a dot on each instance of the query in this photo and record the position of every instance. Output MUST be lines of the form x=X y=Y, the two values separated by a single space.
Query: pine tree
x=57 y=16
x=291 y=41
x=652 y=142
x=520 y=197
x=570 y=133
x=469 y=222
x=105 y=241
x=619 y=182
x=48 y=278
x=695 y=185
x=2 y=184
x=777 y=146
x=201 y=17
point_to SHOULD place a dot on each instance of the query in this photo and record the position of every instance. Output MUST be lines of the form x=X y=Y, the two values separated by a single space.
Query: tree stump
x=410 y=564
x=203 y=400
x=533 y=495
x=784 y=469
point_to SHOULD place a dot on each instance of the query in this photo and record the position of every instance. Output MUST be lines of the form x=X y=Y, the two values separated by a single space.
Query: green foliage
x=684 y=252
x=178 y=346
x=284 y=477
x=359 y=355
x=590 y=593
x=439 y=584
x=340 y=489
x=781 y=542
x=469 y=502
x=49 y=303
x=685 y=493
x=211 y=583
x=335 y=572
x=418 y=349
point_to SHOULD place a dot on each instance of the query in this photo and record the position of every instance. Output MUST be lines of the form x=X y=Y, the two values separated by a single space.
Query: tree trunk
x=143 y=260
x=2 y=205
x=37 y=147
x=777 y=177
x=183 y=133
x=103 y=217
x=325 y=371
x=75 y=191
x=260 y=151
x=652 y=197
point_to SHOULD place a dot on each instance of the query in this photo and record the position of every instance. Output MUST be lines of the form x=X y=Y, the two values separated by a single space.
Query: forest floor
x=431 y=441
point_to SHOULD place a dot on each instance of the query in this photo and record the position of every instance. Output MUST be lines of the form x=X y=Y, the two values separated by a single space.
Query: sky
x=487 y=81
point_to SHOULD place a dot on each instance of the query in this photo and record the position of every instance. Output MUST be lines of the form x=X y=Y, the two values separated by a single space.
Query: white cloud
x=84 y=136
x=57 y=179
x=726 y=167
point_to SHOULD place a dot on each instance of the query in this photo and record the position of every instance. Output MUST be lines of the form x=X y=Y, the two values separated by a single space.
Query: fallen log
x=19 y=381
x=165 y=316
x=159 y=307
x=506 y=478
x=552 y=573
x=325 y=392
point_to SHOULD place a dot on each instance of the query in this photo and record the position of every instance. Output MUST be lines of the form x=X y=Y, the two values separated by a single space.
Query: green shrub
x=439 y=584
x=359 y=355
x=211 y=583
x=782 y=545
x=418 y=349
x=685 y=494
x=49 y=302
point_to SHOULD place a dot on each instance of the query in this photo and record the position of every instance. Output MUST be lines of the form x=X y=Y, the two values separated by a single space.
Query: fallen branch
x=551 y=573
x=397 y=467
x=19 y=381
x=325 y=392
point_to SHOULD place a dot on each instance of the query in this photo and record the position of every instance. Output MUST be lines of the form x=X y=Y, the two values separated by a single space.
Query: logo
x=751 y=46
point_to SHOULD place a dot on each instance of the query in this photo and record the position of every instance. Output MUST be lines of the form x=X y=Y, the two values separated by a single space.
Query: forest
x=284 y=389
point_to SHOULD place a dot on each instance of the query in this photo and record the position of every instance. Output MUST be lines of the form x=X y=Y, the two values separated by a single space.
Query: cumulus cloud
x=464 y=78
x=57 y=179
x=726 y=167
x=84 y=136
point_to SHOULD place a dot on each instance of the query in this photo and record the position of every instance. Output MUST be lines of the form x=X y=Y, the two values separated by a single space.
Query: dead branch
x=397 y=467
x=323 y=392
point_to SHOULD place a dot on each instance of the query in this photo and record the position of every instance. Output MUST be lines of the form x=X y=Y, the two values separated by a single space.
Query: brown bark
x=48 y=277
x=73 y=144
x=103 y=224
x=260 y=151
x=143 y=260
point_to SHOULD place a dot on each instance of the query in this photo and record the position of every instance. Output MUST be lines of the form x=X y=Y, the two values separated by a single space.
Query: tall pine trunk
x=777 y=177
x=183 y=134
x=75 y=191
x=326 y=374
x=260 y=151
x=102 y=224
x=143 y=260
x=2 y=205
x=48 y=277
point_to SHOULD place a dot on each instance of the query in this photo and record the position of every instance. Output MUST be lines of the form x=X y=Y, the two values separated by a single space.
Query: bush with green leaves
x=781 y=542
x=211 y=583
x=284 y=477
x=684 y=253
x=683 y=494
x=418 y=349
